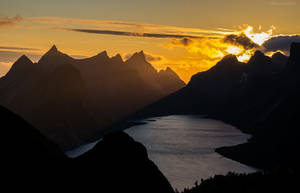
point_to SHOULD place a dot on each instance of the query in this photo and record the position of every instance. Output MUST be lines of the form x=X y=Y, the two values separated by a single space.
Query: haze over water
x=182 y=146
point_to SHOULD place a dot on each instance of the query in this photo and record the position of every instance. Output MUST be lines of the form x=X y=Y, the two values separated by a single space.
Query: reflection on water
x=182 y=146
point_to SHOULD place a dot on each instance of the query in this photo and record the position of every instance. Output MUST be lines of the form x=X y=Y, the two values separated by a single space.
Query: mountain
x=279 y=60
x=206 y=92
x=275 y=142
x=258 y=97
x=169 y=80
x=72 y=100
x=116 y=164
x=53 y=101
x=236 y=92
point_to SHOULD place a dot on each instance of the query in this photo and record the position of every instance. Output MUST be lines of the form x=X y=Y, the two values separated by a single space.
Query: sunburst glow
x=258 y=38
x=234 y=50
x=244 y=57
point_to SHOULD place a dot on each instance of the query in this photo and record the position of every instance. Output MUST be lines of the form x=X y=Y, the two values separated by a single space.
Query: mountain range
x=230 y=88
x=260 y=97
x=72 y=100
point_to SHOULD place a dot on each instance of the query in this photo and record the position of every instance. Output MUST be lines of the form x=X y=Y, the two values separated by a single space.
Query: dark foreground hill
x=276 y=181
x=29 y=161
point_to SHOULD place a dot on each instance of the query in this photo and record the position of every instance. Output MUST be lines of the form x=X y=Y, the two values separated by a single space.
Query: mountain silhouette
x=260 y=97
x=241 y=93
x=73 y=100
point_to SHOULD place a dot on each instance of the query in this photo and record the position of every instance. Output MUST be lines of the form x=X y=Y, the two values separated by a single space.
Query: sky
x=187 y=35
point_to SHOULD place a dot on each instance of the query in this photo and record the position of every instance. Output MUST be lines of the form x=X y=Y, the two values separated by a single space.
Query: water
x=81 y=150
x=182 y=146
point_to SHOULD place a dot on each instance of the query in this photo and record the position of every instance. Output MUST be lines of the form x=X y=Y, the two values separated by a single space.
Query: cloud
x=240 y=40
x=135 y=34
x=282 y=43
x=149 y=57
x=124 y=26
x=152 y=58
x=183 y=42
x=18 y=48
x=7 y=21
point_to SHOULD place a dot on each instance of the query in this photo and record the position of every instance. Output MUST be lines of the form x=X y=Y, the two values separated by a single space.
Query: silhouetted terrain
x=116 y=164
x=71 y=101
x=276 y=138
x=260 y=97
x=278 y=181
x=230 y=86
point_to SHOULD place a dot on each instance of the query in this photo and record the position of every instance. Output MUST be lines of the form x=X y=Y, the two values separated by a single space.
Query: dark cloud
x=282 y=43
x=149 y=57
x=183 y=42
x=136 y=34
x=18 y=48
x=240 y=40
x=6 y=21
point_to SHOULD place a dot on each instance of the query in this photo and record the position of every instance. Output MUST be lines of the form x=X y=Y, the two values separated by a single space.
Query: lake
x=183 y=147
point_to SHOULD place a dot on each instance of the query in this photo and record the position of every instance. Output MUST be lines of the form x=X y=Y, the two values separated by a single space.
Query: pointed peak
x=168 y=70
x=24 y=58
x=53 y=48
x=118 y=58
x=258 y=53
x=278 y=54
x=229 y=58
x=103 y=54
x=139 y=55
x=51 y=51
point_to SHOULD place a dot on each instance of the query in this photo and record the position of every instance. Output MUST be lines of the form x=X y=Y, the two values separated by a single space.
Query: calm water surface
x=182 y=146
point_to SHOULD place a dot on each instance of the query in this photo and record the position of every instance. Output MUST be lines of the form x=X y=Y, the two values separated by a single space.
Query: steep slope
x=240 y=93
x=206 y=92
x=145 y=70
x=276 y=138
x=51 y=96
x=170 y=81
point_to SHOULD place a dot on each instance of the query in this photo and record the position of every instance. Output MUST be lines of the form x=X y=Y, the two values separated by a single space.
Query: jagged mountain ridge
x=71 y=100
x=228 y=90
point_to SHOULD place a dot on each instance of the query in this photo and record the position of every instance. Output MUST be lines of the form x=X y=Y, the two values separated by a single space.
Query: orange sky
x=186 y=40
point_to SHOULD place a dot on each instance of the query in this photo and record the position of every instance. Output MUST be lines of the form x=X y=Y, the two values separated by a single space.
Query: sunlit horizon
x=183 y=40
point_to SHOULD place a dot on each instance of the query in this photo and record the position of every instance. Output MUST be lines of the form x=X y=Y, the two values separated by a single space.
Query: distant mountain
x=72 y=100
x=276 y=137
x=206 y=92
x=27 y=157
x=240 y=93
x=169 y=80
x=279 y=60
x=260 y=97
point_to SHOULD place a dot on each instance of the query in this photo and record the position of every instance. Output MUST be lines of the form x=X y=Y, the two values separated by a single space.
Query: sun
x=234 y=50
x=258 y=38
